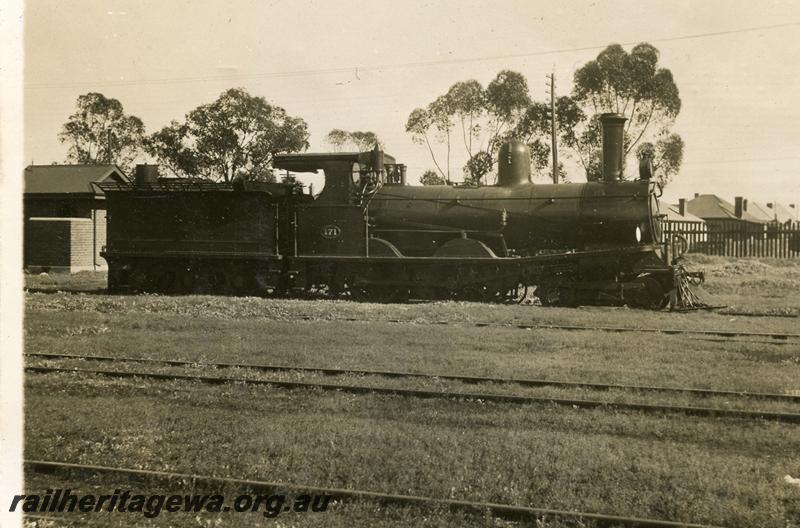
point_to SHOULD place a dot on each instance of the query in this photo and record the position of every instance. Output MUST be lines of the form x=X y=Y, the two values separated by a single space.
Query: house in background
x=680 y=221
x=761 y=211
x=65 y=216
x=777 y=213
x=719 y=213
x=679 y=213
x=746 y=229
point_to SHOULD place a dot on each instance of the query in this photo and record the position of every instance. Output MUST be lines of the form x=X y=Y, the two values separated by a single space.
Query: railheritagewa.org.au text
x=153 y=505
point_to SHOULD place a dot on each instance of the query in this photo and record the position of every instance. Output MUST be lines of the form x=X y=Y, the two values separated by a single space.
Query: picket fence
x=731 y=238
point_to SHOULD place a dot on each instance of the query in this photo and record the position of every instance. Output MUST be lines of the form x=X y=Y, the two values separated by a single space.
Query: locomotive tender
x=370 y=236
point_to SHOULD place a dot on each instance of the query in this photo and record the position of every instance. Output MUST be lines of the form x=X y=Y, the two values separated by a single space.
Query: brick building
x=65 y=216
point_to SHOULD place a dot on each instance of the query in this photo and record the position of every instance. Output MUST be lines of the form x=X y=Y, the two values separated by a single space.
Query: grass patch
x=677 y=468
x=423 y=313
x=83 y=281
x=767 y=286
x=633 y=359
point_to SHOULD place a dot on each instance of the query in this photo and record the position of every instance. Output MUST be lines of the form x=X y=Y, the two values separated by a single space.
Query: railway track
x=758 y=314
x=499 y=511
x=413 y=375
x=429 y=394
x=773 y=337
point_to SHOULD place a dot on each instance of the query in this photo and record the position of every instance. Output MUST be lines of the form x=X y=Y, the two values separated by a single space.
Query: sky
x=367 y=65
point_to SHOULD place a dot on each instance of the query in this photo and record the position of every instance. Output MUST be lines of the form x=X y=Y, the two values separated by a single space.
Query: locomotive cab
x=336 y=223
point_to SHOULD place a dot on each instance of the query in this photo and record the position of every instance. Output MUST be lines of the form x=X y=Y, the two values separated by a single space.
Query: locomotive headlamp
x=638 y=234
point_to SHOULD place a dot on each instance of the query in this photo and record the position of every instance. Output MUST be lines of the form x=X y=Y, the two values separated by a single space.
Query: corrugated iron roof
x=712 y=207
x=775 y=212
x=761 y=211
x=674 y=215
x=783 y=213
x=61 y=179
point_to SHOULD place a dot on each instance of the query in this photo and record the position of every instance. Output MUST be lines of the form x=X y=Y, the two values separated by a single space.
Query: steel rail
x=625 y=329
x=757 y=314
x=450 y=395
x=500 y=511
x=450 y=377
x=548 y=326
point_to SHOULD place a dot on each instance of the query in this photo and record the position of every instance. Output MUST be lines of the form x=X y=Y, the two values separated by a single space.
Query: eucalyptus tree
x=631 y=84
x=665 y=156
x=100 y=132
x=467 y=104
x=234 y=137
x=634 y=85
x=485 y=117
x=430 y=177
x=361 y=141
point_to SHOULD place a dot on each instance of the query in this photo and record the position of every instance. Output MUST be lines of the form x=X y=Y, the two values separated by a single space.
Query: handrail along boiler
x=369 y=235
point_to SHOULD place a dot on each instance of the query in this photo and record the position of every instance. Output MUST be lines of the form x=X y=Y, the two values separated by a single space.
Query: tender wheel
x=119 y=278
x=216 y=280
x=165 y=280
x=192 y=280
x=240 y=282
x=141 y=279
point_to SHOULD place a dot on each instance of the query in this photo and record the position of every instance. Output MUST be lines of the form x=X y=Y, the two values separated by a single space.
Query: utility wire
x=296 y=73
x=748 y=160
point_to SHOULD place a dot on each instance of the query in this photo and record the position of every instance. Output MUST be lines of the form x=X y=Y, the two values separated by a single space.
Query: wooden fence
x=732 y=238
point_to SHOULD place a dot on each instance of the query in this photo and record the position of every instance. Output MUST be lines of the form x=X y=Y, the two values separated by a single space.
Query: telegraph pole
x=554 y=144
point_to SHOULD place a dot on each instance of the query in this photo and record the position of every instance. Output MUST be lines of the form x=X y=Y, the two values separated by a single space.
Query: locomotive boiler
x=517 y=217
x=369 y=235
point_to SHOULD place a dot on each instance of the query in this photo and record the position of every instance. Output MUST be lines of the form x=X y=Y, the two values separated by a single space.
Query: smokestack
x=613 y=146
x=744 y=205
x=696 y=195
x=682 y=206
x=738 y=207
x=376 y=159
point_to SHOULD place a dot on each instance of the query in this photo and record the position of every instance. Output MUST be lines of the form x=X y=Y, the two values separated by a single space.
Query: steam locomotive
x=370 y=236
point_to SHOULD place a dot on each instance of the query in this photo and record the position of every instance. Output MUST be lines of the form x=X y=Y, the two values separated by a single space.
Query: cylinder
x=613 y=146
x=513 y=164
x=146 y=174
